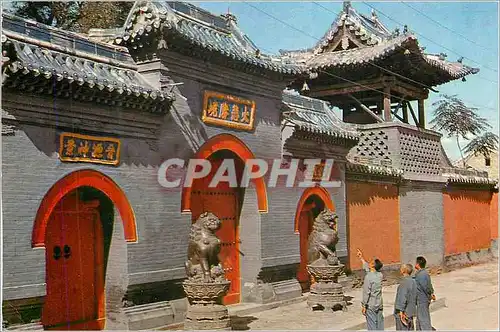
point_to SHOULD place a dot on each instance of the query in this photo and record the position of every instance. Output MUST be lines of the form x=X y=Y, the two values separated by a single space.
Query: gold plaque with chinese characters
x=228 y=111
x=318 y=171
x=90 y=149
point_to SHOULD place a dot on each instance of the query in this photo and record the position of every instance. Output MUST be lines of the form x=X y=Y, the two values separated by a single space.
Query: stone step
x=153 y=315
x=245 y=309
x=36 y=326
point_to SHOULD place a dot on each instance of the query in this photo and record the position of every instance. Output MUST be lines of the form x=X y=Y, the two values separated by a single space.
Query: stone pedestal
x=206 y=311
x=326 y=292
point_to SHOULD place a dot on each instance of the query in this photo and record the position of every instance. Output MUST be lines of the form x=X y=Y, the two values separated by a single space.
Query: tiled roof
x=374 y=169
x=376 y=43
x=315 y=116
x=455 y=69
x=165 y=20
x=364 y=55
x=369 y=30
x=464 y=176
x=360 y=55
x=40 y=56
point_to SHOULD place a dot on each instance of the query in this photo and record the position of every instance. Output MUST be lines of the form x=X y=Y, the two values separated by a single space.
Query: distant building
x=480 y=163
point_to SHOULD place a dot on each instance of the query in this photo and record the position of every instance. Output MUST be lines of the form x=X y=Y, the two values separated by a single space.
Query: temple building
x=87 y=121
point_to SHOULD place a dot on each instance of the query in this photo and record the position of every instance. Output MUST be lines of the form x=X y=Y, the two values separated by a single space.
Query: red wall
x=467 y=224
x=494 y=216
x=372 y=222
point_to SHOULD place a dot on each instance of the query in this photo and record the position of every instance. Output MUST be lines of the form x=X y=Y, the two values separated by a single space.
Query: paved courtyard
x=471 y=297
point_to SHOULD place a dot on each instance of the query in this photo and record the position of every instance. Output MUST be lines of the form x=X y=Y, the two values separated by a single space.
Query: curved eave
x=381 y=171
x=469 y=180
x=442 y=70
x=35 y=69
x=201 y=36
x=455 y=70
x=308 y=133
x=360 y=56
x=340 y=134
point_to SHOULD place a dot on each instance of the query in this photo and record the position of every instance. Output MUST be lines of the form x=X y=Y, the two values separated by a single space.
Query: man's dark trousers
x=423 y=316
x=374 y=319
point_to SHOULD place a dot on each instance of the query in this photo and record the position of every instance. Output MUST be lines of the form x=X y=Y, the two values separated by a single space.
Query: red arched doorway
x=231 y=143
x=311 y=203
x=69 y=227
x=225 y=202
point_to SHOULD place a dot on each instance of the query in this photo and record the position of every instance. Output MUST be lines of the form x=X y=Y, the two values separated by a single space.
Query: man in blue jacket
x=425 y=294
x=405 y=306
x=372 y=304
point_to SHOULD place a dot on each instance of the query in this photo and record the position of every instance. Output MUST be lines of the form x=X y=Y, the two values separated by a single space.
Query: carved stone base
x=207 y=317
x=206 y=311
x=327 y=295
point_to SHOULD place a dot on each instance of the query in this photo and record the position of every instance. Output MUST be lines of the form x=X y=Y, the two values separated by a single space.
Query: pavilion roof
x=174 y=24
x=315 y=116
x=45 y=60
x=355 y=42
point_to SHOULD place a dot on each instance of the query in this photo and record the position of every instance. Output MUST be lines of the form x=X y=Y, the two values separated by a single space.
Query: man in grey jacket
x=405 y=306
x=425 y=294
x=372 y=304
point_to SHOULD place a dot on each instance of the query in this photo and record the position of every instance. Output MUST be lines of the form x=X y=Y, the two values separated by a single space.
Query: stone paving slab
x=471 y=303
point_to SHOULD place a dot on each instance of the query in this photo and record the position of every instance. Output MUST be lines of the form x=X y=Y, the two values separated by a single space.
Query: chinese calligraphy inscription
x=228 y=111
x=91 y=149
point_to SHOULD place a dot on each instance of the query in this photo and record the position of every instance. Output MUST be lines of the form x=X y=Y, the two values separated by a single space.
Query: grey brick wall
x=31 y=167
x=280 y=244
x=30 y=170
x=421 y=223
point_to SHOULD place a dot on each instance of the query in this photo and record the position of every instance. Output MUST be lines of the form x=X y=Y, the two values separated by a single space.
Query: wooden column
x=421 y=113
x=387 y=104
x=405 y=112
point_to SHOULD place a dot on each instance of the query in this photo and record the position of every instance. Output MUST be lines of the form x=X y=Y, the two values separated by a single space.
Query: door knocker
x=57 y=252
x=67 y=251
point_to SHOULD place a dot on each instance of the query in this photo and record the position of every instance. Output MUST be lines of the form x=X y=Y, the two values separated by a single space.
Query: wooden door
x=223 y=201
x=306 y=220
x=74 y=267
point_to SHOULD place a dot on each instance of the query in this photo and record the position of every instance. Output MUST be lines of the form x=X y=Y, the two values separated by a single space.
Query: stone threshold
x=389 y=318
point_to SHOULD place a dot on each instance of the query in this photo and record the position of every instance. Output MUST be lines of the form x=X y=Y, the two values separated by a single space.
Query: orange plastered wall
x=467 y=224
x=373 y=222
x=494 y=216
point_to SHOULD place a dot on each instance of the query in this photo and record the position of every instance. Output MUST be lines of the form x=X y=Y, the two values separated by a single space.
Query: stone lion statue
x=203 y=249
x=323 y=238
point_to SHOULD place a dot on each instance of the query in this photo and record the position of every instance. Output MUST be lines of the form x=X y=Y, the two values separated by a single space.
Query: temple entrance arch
x=235 y=145
x=74 y=224
x=311 y=203
x=225 y=202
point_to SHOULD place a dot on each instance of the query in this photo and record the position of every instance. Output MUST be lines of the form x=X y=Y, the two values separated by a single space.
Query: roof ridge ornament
x=347 y=5
x=229 y=17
